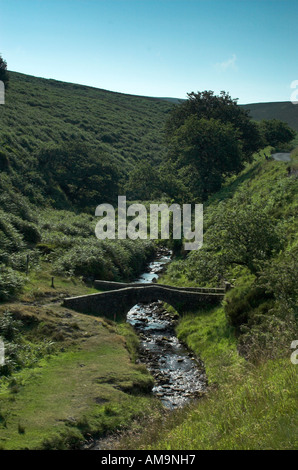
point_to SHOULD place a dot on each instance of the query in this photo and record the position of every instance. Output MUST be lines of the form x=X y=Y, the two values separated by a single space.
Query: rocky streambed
x=179 y=375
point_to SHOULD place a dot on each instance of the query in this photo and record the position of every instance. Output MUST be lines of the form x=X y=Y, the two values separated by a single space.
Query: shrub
x=29 y=230
x=245 y=300
x=11 y=283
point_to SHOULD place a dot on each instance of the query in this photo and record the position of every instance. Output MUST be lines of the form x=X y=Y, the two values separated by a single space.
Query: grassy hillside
x=284 y=111
x=69 y=147
x=38 y=111
x=108 y=131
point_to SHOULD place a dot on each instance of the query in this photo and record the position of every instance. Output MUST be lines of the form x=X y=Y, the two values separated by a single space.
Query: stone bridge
x=120 y=298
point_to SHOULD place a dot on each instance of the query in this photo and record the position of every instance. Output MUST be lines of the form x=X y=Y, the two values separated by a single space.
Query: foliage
x=10 y=332
x=144 y=182
x=11 y=283
x=209 y=138
x=280 y=279
x=246 y=301
x=250 y=239
x=9 y=327
x=69 y=146
x=205 y=151
x=103 y=260
x=245 y=236
x=275 y=132
x=69 y=243
x=84 y=178
x=209 y=106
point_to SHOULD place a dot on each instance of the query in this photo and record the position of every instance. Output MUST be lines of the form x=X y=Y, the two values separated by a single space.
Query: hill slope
x=284 y=111
x=127 y=127
x=116 y=129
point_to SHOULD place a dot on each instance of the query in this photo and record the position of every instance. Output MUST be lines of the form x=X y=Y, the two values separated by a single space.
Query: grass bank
x=69 y=376
x=247 y=406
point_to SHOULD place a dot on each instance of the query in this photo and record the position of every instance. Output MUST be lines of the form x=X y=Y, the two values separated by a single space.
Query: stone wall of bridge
x=112 y=285
x=119 y=301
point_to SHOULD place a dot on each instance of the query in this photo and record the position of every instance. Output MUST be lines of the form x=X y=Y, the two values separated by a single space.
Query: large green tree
x=240 y=233
x=143 y=182
x=222 y=107
x=209 y=137
x=205 y=150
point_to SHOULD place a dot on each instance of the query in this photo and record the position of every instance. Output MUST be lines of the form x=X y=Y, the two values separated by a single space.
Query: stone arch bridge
x=119 y=298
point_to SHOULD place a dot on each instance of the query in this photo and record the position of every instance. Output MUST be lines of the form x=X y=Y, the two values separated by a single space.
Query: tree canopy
x=206 y=150
x=209 y=137
x=83 y=176
x=275 y=132
x=210 y=106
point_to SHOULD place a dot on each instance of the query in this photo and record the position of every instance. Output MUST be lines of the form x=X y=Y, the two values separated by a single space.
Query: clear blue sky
x=157 y=47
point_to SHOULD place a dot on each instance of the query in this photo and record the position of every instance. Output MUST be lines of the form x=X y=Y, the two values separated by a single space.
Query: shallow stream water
x=179 y=376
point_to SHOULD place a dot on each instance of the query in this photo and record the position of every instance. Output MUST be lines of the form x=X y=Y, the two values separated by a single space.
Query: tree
x=209 y=106
x=143 y=183
x=209 y=137
x=276 y=132
x=205 y=150
x=240 y=233
x=86 y=178
x=4 y=77
x=247 y=237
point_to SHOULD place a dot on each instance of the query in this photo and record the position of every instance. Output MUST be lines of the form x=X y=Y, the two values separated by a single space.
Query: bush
x=29 y=230
x=10 y=239
x=110 y=260
x=244 y=301
x=11 y=283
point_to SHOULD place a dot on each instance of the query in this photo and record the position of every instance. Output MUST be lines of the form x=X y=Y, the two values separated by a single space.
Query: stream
x=179 y=375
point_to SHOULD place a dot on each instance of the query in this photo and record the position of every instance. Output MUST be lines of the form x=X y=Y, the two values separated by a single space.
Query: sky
x=161 y=48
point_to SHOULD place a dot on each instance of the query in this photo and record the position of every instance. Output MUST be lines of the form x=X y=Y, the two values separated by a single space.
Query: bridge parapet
x=120 y=301
x=112 y=285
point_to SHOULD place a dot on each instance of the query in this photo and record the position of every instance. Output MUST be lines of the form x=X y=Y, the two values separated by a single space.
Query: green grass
x=247 y=407
x=213 y=340
x=89 y=384
x=294 y=159
x=256 y=410
x=127 y=129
